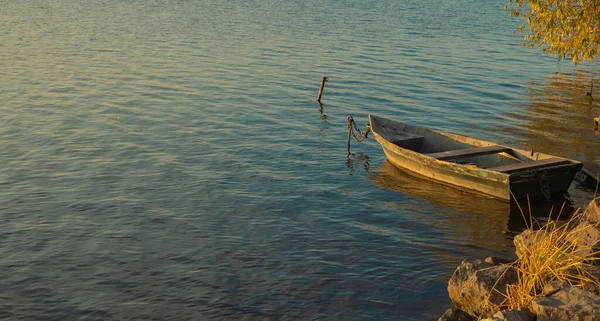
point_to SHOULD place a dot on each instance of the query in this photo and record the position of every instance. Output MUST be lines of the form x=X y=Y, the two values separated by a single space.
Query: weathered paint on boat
x=405 y=147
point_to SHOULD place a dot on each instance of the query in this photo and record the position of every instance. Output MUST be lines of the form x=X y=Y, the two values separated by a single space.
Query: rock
x=552 y=288
x=586 y=236
x=564 y=302
x=591 y=279
x=593 y=287
x=454 y=314
x=522 y=314
x=496 y=260
x=522 y=242
x=592 y=213
x=479 y=288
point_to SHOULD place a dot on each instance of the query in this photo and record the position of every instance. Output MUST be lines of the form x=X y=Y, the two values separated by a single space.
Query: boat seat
x=512 y=168
x=469 y=152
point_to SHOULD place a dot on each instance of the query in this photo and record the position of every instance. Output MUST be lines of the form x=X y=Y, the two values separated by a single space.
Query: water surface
x=165 y=159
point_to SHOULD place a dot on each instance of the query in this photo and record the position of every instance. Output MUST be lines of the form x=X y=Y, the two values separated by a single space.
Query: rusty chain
x=353 y=129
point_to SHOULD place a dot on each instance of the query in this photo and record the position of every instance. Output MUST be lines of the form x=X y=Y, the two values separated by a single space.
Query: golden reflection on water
x=462 y=220
x=558 y=119
x=499 y=217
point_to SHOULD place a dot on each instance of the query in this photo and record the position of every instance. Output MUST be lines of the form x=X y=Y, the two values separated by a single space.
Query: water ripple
x=165 y=160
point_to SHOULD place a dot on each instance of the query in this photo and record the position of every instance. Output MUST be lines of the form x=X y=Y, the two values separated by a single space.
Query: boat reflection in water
x=468 y=215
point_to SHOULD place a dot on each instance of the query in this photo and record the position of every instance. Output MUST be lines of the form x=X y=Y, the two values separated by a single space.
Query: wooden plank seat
x=469 y=152
x=512 y=168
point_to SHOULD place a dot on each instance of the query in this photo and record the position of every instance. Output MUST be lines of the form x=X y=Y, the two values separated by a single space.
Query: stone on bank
x=478 y=288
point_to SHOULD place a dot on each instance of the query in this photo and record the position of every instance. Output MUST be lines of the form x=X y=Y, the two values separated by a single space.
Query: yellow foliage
x=564 y=28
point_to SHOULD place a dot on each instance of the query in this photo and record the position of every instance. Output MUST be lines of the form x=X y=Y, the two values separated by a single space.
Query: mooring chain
x=353 y=129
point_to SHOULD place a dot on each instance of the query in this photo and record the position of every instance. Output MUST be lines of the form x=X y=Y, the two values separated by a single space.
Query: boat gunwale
x=461 y=138
x=416 y=155
x=489 y=182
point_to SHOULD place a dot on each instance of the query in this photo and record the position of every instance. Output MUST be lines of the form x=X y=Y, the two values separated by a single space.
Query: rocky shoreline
x=486 y=290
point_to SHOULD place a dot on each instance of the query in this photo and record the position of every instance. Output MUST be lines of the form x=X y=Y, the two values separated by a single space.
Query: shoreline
x=556 y=276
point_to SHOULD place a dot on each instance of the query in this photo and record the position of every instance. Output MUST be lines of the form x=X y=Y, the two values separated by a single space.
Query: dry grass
x=552 y=256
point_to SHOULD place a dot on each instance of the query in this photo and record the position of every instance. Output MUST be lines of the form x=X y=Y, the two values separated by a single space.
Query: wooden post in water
x=321 y=88
x=350 y=119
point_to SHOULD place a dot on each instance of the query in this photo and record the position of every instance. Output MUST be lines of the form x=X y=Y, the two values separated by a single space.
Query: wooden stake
x=323 y=81
x=349 y=132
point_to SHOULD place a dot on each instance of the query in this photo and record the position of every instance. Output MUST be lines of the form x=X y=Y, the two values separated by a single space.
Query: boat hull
x=522 y=181
x=450 y=174
x=551 y=182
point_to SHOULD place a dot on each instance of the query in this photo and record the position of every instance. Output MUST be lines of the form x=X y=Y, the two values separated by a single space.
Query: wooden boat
x=472 y=164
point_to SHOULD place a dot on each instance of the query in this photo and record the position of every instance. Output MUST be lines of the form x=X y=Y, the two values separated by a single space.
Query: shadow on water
x=515 y=215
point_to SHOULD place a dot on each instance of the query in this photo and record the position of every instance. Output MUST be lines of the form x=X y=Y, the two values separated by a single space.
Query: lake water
x=166 y=159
